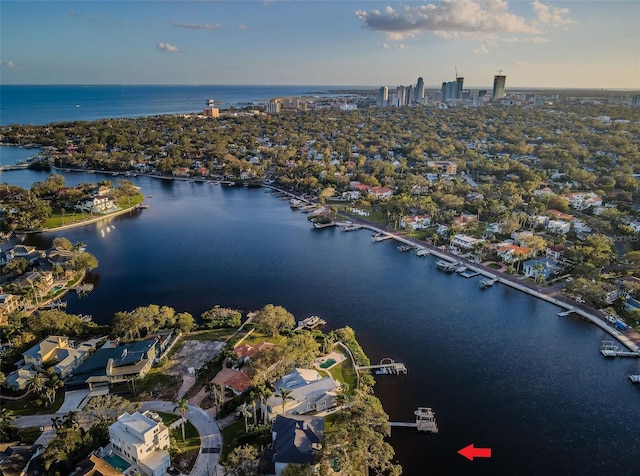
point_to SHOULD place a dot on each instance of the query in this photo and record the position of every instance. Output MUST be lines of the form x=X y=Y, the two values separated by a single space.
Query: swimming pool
x=117 y=462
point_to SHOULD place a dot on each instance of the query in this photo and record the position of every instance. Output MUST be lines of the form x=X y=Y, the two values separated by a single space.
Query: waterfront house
x=245 y=352
x=30 y=253
x=97 y=204
x=59 y=351
x=541 y=267
x=512 y=253
x=294 y=441
x=417 y=222
x=114 y=363
x=142 y=440
x=310 y=392
x=40 y=281
x=464 y=242
x=555 y=252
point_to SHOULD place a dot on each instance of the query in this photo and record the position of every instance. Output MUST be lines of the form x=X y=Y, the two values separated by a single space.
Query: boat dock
x=425 y=421
x=319 y=226
x=387 y=366
x=566 y=313
x=381 y=237
x=350 y=227
x=405 y=248
x=487 y=283
x=310 y=323
x=609 y=349
x=422 y=252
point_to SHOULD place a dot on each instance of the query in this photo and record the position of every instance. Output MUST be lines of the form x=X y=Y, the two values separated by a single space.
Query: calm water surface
x=500 y=369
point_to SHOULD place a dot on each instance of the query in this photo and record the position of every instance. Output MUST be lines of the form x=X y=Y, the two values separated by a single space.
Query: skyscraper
x=419 y=92
x=459 y=81
x=499 y=81
x=383 y=97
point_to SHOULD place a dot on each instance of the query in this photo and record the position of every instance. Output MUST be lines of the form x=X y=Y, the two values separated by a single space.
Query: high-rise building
x=383 y=97
x=499 y=82
x=419 y=92
x=459 y=81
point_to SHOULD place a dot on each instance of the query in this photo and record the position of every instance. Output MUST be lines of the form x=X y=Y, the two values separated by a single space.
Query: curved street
x=210 y=438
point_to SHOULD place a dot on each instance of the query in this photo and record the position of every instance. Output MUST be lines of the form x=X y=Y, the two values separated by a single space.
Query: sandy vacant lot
x=194 y=353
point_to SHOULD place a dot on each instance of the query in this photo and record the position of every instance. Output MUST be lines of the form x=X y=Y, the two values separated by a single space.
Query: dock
x=487 y=283
x=319 y=226
x=609 y=349
x=350 y=227
x=310 y=323
x=405 y=248
x=447 y=266
x=425 y=421
x=422 y=252
x=381 y=237
x=566 y=313
x=387 y=366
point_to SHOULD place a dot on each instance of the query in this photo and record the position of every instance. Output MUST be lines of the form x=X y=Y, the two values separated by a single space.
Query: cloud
x=397 y=46
x=480 y=20
x=242 y=27
x=167 y=48
x=194 y=26
x=8 y=66
x=535 y=40
x=551 y=16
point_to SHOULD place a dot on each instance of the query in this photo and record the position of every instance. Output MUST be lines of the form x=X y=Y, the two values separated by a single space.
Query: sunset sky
x=538 y=44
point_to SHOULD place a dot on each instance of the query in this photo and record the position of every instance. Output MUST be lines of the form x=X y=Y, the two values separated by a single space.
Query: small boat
x=405 y=248
x=210 y=102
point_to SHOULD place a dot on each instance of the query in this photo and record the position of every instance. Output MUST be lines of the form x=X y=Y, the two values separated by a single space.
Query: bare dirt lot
x=194 y=353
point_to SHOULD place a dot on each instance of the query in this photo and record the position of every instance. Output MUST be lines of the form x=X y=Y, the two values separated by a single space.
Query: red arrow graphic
x=471 y=452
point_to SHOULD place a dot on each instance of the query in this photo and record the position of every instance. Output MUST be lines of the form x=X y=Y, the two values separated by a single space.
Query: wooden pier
x=349 y=227
x=422 y=252
x=387 y=366
x=425 y=421
x=310 y=323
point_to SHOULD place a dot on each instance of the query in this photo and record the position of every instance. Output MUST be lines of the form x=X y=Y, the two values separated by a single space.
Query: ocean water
x=46 y=104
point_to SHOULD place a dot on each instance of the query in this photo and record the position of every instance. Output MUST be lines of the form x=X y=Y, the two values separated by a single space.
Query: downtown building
x=499 y=82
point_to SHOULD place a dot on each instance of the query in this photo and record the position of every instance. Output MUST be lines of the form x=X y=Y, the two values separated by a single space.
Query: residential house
x=544 y=267
x=142 y=440
x=95 y=466
x=114 y=363
x=18 y=379
x=309 y=392
x=181 y=172
x=465 y=219
x=351 y=195
x=558 y=215
x=97 y=204
x=30 y=253
x=295 y=440
x=416 y=222
x=58 y=349
x=21 y=460
x=473 y=196
x=511 y=253
x=555 y=252
x=381 y=192
x=464 y=242
x=558 y=226
x=584 y=200
x=40 y=281
x=9 y=303
x=443 y=166
x=245 y=352
x=494 y=228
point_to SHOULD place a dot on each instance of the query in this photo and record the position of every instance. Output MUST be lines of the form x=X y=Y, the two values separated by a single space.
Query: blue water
x=499 y=367
x=46 y=104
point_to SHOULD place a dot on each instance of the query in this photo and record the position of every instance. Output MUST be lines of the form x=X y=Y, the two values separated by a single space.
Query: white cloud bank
x=486 y=21
x=195 y=26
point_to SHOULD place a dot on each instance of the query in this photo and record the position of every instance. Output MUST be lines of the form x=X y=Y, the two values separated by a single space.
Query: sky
x=571 y=44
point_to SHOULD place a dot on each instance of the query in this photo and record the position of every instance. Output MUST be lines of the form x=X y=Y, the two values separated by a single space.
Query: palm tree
x=244 y=409
x=285 y=395
x=215 y=393
x=182 y=406
x=37 y=383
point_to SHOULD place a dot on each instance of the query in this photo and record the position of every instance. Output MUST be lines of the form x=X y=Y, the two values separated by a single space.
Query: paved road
x=210 y=437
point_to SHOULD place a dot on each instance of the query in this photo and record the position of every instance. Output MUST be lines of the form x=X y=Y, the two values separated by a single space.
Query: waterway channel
x=499 y=367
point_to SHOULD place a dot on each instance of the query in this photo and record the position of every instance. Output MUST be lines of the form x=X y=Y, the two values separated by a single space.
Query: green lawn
x=211 y=334
x=233 y=435
x=344 y=372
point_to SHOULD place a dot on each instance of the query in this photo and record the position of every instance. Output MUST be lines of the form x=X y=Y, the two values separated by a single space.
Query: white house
x=584 y=200
x=309 y=392
x=416 y=222
x=544 y=267
x=96 y=204
x=143 y=441
x=464 y=241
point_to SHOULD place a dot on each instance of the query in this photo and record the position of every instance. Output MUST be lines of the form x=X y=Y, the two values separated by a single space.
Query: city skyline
x=360 y=43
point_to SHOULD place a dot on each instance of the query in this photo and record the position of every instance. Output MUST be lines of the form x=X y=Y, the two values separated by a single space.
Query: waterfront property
x=114 y=363
x=310 y=392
